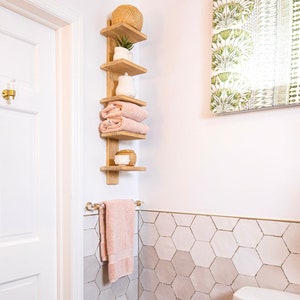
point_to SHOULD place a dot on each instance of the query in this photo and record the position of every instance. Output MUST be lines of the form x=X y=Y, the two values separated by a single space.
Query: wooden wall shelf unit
x=115 y=68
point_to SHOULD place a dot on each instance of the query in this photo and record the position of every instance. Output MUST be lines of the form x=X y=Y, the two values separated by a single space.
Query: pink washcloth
x=125 y=109
x=122 y=123
x=116 y=224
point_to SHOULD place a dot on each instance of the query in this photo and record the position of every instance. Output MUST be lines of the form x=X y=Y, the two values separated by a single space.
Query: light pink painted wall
x=236 y=165
x=241 y=165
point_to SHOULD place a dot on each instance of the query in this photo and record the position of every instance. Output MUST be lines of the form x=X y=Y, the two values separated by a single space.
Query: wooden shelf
x=123 y=135
x=122 y=29
x=122 y=168
x=122 y=66
x=123 y=98
x=115 y=68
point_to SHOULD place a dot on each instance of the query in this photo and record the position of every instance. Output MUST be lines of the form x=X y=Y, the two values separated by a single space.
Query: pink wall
x=236 y=165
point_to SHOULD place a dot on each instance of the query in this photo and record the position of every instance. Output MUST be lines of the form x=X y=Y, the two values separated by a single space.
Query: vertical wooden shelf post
x=112 y=146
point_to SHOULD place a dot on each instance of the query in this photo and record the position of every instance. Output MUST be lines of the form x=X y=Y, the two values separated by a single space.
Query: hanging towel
x=122 y=123
x=116 y=222
x=125 y=109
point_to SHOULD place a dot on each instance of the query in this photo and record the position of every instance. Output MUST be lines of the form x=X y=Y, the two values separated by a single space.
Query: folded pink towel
x=124 y=109
x=116 y=224
x=122 y=123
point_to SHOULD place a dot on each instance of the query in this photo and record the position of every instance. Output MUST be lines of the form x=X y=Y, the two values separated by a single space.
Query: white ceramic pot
x=121 y=52
x=125 y=86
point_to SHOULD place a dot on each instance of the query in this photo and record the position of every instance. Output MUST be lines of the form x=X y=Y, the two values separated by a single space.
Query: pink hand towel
x=122 y=123
x=116 y=222
x=124 y=109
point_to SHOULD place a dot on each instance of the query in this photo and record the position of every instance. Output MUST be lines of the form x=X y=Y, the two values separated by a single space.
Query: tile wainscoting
x=197 y=257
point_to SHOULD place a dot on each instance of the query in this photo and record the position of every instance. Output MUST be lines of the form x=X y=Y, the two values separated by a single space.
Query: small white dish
x=122 y=160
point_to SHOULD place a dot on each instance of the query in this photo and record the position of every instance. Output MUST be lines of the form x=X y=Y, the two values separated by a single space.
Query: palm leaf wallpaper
x=255 y=55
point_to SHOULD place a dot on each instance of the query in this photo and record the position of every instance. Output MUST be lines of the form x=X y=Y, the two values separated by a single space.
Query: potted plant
x=123 y=47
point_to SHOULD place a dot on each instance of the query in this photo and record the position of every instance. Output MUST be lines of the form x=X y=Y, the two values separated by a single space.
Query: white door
x=27 y=161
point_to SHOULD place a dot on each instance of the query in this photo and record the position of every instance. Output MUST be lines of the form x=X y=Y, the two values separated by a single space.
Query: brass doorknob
x=9 y=93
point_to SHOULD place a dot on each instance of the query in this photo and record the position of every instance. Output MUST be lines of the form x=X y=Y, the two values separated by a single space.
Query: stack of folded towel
x=120 y=115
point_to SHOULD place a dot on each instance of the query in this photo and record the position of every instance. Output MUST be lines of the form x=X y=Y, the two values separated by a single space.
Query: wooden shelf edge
x=123 y=29
x=122 y=168
x=123 y=135
x=122 y=66
x=123 y=98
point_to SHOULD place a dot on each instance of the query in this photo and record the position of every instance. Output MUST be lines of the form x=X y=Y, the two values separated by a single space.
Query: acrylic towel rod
x=95 y=206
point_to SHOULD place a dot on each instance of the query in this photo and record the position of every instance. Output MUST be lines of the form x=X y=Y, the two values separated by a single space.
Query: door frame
x=68 y=26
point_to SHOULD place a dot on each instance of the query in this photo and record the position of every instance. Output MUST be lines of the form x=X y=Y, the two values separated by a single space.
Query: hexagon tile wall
x=189 y=257
x=197 y=257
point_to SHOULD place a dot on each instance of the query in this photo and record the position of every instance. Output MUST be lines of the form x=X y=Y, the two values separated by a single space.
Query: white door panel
x=21 y=289
x=18 y=161
x=27 y=161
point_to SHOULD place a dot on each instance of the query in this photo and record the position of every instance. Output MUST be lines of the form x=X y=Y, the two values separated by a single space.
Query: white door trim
x=67 y=24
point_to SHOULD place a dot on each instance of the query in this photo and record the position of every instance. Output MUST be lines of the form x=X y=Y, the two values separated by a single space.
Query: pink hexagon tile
x=165 y=272
x=147 y=296
x=291 y=237
x=200 y=296
x=203 y=228
x=223 y=270
x=271 y=277
x=247 y=261
x=291 y=268
x=183 y=219
x=164 y=292
x=148 y=257
x=183 y=263
x=243 y=280
x=183 y=238
x=148 y=234
x=202 y=280
x=165 y=224
x=247 y=233
x=222 y=292
x=165 y=248
x=274 y=228
x=293 y=288
x=183 y=287
x=203 y=254
x=224 y=244
x=148 y=216
x=149 y=280
x=272 y=250
x=224 y=223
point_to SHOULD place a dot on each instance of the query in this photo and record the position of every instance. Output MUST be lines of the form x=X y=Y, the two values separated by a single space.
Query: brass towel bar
x=95 y=206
